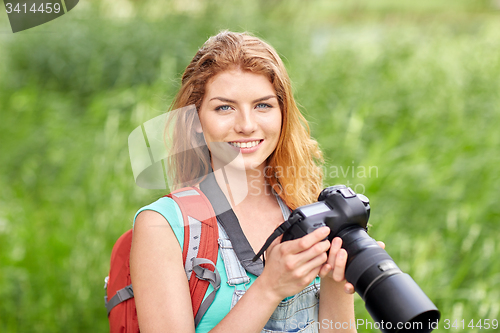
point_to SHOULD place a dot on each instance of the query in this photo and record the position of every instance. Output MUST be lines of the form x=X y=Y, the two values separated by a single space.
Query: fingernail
x=337 y=242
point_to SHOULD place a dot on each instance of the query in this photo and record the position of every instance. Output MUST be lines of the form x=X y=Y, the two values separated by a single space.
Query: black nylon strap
x=230 y=223
x=277 y=232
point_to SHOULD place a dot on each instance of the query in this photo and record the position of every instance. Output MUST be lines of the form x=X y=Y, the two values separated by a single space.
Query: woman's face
x=240 y=110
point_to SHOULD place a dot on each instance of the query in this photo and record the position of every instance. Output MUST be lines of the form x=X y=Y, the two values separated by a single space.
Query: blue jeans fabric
x=298 y=313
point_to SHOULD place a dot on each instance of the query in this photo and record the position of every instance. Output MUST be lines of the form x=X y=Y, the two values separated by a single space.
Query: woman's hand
x=291 y=266
x=335 y=266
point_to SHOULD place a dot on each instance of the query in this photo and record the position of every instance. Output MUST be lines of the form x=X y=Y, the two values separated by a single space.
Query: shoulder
x=149 y=218
x=156 y=257
x=164 y=212
x=163 y=207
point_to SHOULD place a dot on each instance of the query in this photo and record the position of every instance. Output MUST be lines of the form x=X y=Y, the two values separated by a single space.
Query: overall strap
x=236 y=274
x=284 y=208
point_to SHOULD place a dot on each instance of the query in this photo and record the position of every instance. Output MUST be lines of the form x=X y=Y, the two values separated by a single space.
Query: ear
x=197 y=125
x=198 y=128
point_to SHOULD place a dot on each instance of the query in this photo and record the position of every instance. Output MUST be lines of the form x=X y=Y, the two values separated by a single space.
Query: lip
x=247 y=150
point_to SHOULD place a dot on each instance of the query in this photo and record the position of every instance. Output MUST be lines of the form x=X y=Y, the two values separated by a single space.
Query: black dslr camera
x=391 y=297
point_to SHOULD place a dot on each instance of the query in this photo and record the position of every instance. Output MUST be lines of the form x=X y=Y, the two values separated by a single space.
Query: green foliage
x=407 y=97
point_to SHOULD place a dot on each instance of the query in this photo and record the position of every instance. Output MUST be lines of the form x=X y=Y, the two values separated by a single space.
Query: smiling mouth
x=249 y=144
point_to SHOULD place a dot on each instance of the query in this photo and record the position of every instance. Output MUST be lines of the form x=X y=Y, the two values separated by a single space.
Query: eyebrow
x=223 y=99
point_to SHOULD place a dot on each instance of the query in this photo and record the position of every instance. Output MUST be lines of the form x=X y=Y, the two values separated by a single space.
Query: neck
x=243 y=186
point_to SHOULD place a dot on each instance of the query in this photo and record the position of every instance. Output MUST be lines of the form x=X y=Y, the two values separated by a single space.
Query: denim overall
x=298 y=313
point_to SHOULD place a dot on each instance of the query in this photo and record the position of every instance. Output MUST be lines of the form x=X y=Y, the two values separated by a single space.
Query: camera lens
x=391 y=297
x=401 y=305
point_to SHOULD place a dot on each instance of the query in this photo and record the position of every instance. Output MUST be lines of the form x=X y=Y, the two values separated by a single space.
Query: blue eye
x=223 y=108
x=263 y=106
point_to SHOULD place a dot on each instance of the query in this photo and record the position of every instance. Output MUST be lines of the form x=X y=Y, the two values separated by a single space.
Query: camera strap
x=276 y=233
x=227 y=218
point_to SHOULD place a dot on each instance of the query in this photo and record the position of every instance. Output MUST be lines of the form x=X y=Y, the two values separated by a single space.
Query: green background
x=410 y=89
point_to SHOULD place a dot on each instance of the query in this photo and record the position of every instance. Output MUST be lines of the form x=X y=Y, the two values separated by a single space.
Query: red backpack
x=199 y=255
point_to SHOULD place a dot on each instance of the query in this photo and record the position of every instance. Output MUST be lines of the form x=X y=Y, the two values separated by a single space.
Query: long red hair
x=293 y=168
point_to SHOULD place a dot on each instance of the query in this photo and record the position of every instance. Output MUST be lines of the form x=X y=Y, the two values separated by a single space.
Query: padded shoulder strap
x=200 y=241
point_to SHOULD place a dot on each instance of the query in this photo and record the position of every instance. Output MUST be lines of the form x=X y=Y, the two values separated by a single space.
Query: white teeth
x=245 y=144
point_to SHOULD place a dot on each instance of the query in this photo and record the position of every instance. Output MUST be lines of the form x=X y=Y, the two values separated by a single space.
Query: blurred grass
x=408 y=89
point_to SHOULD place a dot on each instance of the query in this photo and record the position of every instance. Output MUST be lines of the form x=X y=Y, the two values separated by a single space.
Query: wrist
x=267 y=291
x=330 y=283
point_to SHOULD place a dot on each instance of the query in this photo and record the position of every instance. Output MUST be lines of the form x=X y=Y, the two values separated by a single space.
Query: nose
x=245 y=122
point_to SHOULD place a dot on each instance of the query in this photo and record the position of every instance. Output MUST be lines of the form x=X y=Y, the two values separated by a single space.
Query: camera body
x=338 y=207
x=392 y=297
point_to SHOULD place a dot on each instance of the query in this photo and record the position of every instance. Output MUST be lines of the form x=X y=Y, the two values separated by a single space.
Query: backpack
x=199 y=255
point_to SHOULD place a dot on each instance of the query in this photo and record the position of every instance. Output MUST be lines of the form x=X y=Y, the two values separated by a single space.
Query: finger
x=334 y=250
x=325 y=269
x=318 y=249
x=304 y=243
x=381 y=244
x=315 y=263
x=312 y=275
x=275 y=242
x=339 y=268
x=348 y=288
x=315 y=271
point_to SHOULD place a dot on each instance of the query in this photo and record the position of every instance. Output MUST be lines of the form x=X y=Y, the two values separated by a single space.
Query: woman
x=242 y=92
